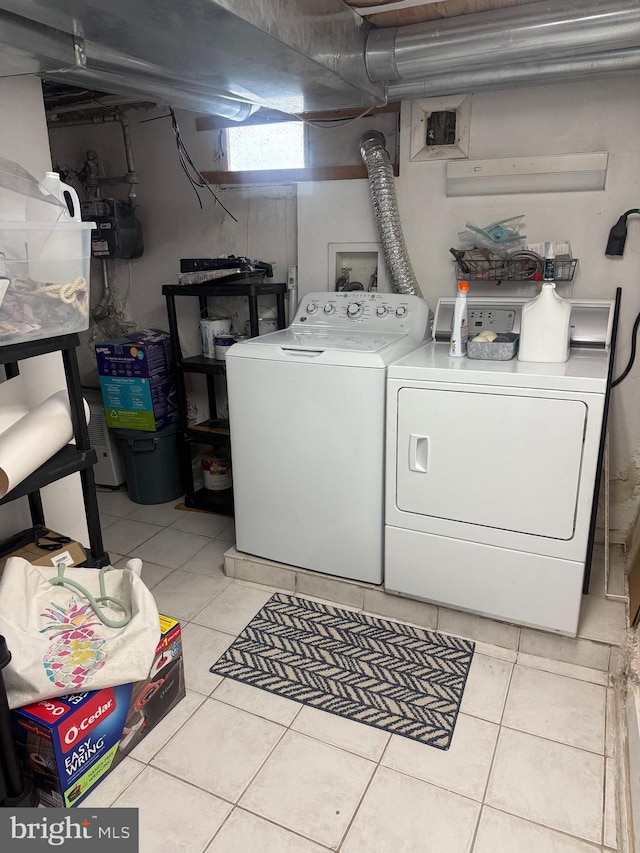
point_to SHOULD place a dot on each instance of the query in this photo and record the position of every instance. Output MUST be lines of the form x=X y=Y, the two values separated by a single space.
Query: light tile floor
x=236 y=769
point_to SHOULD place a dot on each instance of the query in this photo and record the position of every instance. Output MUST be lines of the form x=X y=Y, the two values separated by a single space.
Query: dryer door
x=492 y=459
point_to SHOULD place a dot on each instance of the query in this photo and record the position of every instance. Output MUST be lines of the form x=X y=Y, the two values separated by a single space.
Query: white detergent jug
x=545 y=331
x=56 y=245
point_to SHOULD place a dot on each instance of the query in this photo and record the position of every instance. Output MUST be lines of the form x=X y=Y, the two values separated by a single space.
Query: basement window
x=280 y=145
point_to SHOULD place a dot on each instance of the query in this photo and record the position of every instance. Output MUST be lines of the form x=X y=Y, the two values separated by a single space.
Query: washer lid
x=328 y=339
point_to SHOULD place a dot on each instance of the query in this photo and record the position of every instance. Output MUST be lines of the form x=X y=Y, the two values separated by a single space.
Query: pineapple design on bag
x=76 y=654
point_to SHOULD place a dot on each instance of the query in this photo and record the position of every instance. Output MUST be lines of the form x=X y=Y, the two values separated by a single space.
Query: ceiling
x=401 y=13
x=231 y=57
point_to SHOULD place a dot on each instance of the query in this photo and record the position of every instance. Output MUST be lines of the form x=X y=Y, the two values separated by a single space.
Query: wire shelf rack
x=521 y=269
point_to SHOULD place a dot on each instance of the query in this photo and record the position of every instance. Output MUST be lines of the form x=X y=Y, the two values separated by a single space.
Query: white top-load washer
x=491 y=468
x=307 y=418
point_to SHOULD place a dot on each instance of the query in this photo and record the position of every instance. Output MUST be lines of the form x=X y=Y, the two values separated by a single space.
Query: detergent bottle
x=545 y=329
x=460 y=328
x=57 y=238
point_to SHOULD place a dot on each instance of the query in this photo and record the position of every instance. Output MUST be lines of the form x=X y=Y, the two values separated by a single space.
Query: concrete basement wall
x=563 y=118
x=173 y=224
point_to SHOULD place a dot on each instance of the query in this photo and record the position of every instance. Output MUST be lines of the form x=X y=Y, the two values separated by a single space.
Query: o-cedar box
x=70 y=743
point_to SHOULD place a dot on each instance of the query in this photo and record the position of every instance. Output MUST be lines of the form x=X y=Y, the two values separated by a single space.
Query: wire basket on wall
x=516 y=269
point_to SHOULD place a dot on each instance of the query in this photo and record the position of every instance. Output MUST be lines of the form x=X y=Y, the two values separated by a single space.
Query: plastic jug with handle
x=545 y=329
x=56 y=254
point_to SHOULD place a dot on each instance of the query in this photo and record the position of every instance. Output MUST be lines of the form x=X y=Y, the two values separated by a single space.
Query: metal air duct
x=290 y=56
x=144 y=88
x=612 y=63
x=385 y=205
x=537 y=32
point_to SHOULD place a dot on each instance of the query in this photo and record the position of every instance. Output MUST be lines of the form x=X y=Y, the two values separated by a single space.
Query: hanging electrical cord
x=615 y=248
x=194 y=176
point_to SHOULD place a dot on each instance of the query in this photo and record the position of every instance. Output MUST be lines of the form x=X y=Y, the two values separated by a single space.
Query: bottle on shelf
x=549 y=273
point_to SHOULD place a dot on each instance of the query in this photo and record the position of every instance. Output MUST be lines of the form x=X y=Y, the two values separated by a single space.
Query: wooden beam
x=265 y=116
x=290 y=176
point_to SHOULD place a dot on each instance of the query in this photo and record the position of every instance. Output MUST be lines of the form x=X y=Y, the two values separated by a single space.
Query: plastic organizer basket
x=44 y=279
x=503 y=348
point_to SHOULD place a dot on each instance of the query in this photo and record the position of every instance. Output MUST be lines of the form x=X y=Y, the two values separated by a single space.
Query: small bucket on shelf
x=217 y=473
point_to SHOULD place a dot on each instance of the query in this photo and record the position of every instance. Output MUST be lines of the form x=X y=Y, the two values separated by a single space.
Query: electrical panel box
x=118 y=233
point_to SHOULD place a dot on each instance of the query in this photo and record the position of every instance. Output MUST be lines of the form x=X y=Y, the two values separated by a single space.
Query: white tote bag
x=74 y=630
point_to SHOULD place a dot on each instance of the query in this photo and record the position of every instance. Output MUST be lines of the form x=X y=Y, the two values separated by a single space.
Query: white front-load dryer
x=491 y=470
x=307 y=419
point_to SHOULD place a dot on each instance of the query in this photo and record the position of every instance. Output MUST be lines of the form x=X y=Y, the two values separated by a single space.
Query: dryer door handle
x=418 y=453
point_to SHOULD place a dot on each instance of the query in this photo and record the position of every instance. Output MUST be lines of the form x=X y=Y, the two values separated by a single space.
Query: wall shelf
x=200 y=364
x=511 y=270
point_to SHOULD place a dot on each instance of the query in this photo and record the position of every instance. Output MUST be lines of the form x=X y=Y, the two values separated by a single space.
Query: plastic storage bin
x=151 y=464
x=503 y=348
x=45 y=253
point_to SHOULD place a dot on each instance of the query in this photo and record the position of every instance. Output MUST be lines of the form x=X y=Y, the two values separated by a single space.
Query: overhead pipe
x=539 y=32
x=131 y=177
x=615 y=62
x=385 y=205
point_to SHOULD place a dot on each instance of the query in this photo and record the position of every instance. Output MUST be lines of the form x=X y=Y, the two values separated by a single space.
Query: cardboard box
x=71 y=554
x=69 y=744
x=138 y=391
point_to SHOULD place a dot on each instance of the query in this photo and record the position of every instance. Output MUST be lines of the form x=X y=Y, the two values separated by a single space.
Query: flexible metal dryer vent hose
x=383 y=195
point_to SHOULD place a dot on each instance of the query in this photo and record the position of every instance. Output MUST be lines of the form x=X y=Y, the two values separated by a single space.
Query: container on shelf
x=210 y=329
x=45 y=253
x=222 y=346
x=216 y=472
x=151 y=464
x=265 y=325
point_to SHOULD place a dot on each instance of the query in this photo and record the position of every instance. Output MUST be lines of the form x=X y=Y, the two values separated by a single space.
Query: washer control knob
x=401 y=311
x=312 y=307
x=354 y=309
x=329 y=308
x=382 y=311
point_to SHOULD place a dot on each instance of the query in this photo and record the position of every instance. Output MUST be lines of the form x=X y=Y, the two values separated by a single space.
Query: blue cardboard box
x=138 y=391
x=69 y=744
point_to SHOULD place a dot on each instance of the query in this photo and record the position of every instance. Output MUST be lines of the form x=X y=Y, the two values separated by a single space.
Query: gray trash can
x=151 y=463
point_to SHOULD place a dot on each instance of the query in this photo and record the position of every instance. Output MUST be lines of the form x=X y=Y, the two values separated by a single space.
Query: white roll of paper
x=12 y=402
x=34 y=438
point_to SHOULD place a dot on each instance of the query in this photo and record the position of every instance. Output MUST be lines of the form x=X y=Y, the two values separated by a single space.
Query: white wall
x=569 y=118
x=23 y=138
x=173 y=224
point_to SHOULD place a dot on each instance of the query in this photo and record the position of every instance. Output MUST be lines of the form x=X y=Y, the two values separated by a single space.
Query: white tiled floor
x=238 y=770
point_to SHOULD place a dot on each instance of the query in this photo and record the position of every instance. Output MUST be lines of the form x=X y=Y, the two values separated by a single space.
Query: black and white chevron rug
x=404 y=680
